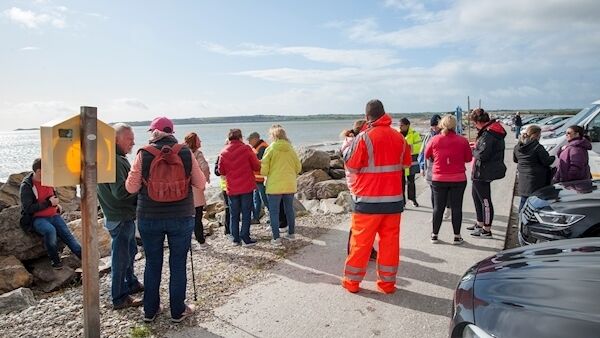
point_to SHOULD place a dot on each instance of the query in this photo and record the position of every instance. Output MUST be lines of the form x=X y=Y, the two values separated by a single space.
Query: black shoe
x=434 y=238
x=458 y=241
x=58 y=265
x=473 y=227
x=482 y=233
x=137 y=289
x=250 y=242
x=415 y=204
x=255 y=221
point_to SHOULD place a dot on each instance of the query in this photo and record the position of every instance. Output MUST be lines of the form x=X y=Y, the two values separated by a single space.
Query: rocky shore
x=36 y=301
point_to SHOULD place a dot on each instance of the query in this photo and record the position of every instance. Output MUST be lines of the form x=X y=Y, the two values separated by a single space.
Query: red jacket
x=376 y=158
x=449 y=153
x=238 y=163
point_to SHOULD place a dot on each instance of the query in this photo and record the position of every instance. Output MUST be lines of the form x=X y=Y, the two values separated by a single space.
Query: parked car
x=588 y=117
x=550 y=123
x=561 y=211
x=544 y=290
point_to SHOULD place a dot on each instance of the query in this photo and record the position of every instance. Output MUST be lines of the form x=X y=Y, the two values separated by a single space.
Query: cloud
x=34 y=20
x=130 y=103
x=29 y=48
x=369 y=58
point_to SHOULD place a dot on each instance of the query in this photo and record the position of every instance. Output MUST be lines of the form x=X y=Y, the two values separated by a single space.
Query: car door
x=593 y=130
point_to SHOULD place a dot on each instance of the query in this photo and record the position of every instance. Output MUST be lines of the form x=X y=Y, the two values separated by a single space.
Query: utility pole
x=469 y=117
x=89 y=220
x=479 y=103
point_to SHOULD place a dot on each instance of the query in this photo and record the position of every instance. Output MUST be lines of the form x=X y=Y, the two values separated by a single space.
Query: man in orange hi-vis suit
x=376 y=159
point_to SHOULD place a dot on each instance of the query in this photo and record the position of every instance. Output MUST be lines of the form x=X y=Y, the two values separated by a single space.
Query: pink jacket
x=449 y=152
x=199 y=198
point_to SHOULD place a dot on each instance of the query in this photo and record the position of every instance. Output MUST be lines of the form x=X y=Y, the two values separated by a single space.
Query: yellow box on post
x=61 y=152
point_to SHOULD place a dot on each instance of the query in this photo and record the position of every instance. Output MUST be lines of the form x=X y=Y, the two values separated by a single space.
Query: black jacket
x=533 y=164
x=489 y=153
x=29 y=203
x=518 y=121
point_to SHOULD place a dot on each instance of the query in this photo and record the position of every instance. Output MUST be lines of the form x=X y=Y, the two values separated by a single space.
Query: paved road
x=302 y=297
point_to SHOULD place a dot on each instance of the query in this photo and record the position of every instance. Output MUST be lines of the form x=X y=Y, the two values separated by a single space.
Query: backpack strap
x=176 y=148
x=152 y=150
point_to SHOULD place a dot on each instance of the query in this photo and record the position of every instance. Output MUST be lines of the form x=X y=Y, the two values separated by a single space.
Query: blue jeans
x=288 y=207
x=124 y=249
x=50 y=228
x=240 y=204
x=517 y=132
x=179 y=235
x=260 y=198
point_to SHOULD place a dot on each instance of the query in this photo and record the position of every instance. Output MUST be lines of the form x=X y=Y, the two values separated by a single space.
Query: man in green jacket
x=413 y=138
x=119 y=209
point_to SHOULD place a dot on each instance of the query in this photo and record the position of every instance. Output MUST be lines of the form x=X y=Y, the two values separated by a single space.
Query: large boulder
x=48 y=279
x=104 y=239
x=328 y=206
x=67 y=194
x=16 y=300
x=311 y=206
x=13 y=274
x=298 y=206
x=337 y=174
x=9 y=192
x=312 y=159
x=16 y=242
x=210 y=210
x=336 y=164
x=307 y=181
x=344 y=200
x=330 y=188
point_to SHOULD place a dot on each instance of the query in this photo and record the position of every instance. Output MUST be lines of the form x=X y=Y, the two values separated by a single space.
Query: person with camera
x=40 y=212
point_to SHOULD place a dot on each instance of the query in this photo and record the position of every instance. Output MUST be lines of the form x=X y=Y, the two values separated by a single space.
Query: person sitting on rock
x=40 y=213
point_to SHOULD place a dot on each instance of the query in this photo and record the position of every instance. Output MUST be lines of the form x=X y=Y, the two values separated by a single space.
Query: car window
x=593 y=129
x=577 y=119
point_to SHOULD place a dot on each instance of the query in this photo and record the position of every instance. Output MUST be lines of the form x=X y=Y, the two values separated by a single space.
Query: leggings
x=444 y=192
x=482 y=197
x=199 y=227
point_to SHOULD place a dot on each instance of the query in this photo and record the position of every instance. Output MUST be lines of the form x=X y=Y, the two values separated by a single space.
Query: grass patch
x=140 y=332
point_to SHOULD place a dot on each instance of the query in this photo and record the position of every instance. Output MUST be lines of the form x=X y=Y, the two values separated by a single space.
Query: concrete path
x=303 y=298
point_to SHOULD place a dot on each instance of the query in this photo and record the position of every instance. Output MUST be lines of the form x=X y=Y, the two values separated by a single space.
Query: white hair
x=120 y=127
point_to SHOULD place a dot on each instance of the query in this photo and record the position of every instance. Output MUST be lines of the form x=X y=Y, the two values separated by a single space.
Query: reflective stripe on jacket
x=415 y=142
x=377 y=157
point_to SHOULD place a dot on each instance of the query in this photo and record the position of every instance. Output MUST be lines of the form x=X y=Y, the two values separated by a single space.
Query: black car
x=546 y=290
x=561 y=211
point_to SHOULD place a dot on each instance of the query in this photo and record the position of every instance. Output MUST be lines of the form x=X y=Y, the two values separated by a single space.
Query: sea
x=18 y=149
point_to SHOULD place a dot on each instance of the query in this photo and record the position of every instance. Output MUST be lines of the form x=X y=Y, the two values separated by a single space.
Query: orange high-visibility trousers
x=364 y=229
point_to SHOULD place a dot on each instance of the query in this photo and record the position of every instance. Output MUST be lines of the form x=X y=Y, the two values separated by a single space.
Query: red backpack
x=167 y=181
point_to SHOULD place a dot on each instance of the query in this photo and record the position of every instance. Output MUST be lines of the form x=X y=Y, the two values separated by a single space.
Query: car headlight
x=557 y=220
x=472 y=331
x=549 y=147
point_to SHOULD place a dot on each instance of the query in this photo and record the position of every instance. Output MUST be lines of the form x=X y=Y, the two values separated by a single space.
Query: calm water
x=18 y=149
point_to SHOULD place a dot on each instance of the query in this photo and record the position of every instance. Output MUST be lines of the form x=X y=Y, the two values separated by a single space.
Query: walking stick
x=193 y=276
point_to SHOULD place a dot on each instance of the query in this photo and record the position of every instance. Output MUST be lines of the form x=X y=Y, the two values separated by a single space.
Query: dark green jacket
x=117 y=204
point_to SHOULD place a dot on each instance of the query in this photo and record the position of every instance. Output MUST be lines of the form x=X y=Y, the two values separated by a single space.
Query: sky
x=136 y=60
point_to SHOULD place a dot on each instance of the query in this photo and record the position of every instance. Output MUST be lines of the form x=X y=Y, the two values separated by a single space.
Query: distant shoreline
x=319 y=117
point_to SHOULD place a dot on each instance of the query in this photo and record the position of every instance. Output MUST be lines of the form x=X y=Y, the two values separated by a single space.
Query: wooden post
x=89 y=221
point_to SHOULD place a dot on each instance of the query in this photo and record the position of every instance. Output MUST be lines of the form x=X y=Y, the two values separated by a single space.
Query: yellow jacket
x=280 y=164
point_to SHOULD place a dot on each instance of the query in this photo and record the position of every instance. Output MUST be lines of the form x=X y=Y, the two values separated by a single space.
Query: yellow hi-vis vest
x=413 y=139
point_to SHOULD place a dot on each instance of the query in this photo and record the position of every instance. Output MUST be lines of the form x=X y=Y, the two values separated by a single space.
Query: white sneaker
x=276 y=242
x=290 y=237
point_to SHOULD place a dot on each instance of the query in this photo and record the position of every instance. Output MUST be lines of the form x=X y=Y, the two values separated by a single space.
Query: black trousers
x=227 y=214
x=442 y=193
x=199 y=227
x=482 y=197
x=408 y=183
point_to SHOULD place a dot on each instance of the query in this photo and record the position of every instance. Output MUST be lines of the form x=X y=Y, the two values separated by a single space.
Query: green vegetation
x=140 y=332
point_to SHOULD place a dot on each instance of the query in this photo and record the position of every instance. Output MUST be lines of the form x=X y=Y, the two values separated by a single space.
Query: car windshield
x=575 y=120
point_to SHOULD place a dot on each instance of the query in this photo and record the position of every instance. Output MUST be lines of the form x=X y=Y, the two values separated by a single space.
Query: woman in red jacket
x=449 y=153
x=238 y=163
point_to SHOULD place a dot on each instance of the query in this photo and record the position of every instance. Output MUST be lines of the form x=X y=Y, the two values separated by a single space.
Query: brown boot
x=129 y=302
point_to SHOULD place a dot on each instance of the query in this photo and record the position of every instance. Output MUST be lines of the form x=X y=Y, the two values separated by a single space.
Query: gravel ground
x=220 y=271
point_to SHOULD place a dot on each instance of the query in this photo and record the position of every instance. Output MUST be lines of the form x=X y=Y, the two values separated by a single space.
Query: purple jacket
x=573 y=162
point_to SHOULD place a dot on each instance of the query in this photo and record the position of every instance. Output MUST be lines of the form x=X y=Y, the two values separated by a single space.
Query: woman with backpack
x=163 y=173
x=281 y=165
x=488 y=166
x=533 y=163
x=573 y=159
x=238 y=163
x=193 y=142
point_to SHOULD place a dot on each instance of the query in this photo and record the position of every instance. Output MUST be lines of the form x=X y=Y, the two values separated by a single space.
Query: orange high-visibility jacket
x=259 y=150
x=376 y=158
